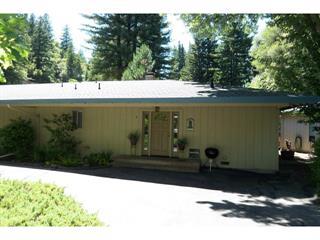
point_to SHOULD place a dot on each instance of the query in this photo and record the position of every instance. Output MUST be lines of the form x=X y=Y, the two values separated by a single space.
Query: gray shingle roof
x=152 y=91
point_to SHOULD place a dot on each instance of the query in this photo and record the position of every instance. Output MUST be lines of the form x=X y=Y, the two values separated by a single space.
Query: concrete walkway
x=142 y=198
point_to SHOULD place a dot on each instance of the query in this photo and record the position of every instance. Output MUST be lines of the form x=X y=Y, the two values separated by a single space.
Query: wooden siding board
x=245 y=136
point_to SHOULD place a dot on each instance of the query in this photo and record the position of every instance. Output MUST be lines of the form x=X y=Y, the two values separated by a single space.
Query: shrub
x=18 y=137
x=53 y=157
x=38 y=204
x=98 y=159
x=69 y=161
x=315 y=167
x=62 y=146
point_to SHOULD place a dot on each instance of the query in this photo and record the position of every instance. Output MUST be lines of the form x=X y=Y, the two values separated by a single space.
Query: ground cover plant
x=39 y=204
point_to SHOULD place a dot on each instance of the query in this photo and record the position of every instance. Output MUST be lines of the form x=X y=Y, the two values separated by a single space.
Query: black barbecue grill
x=212 y=154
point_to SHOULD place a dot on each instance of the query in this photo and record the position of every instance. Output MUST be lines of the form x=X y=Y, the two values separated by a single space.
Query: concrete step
x=166 y=164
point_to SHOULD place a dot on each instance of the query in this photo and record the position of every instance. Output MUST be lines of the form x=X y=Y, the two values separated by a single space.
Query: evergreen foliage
x=42 y=47
x=201 y=64
x=141 y=64
x=117 y=36
x=66 y=41
x=38 y=204
x=73 y=65
x=234 y=59
x=226 y=60
x=178 y=61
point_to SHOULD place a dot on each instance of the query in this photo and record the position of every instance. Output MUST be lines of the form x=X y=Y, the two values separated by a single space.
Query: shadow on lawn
x=268 y=212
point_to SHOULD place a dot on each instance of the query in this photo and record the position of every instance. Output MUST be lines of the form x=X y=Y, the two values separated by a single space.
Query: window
x=190 y=124
x=145 y=128
x=77 y=119
x=175 y=131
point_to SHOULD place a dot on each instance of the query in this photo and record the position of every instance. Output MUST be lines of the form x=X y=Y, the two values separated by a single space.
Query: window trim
x=77 y=119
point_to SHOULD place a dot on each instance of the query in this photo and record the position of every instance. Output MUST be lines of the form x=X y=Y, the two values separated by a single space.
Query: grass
x=39 y=204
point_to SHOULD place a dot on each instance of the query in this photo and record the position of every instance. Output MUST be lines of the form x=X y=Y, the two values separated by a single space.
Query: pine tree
x=31 y=24
x=201 y=62
x=141 y=64
x=177 y=62
x=186 y=73
x=117 y=36
x=235 y=62
x=74 y=65
x=41 y=56
x=66 y=40
x=181 y=56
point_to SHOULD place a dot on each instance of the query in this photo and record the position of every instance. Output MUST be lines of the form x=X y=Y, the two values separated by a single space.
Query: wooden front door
x=160 y=133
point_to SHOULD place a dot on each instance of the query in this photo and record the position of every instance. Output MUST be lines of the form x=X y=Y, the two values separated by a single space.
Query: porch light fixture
x=190 y=124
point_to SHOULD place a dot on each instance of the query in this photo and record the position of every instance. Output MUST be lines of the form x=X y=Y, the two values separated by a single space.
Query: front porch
x=159 y=163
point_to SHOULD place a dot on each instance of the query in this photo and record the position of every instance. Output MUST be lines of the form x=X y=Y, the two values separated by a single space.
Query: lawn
x=39 y=204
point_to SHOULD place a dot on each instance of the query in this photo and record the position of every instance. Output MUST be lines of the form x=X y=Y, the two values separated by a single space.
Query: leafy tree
x=141 y=64
x=117 y=36
x=178 y=61
x=287 y=57
x=302 y=30
x=14 y=44
x=213 y=25
x=234 y=59
x=17 y=73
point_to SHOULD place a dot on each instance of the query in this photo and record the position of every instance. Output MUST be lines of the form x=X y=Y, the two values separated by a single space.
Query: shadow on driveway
x=268 y=199
x=268 y=212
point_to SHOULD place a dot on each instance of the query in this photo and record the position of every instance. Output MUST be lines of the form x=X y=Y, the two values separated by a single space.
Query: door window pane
x=175 y=131
x=146 y=131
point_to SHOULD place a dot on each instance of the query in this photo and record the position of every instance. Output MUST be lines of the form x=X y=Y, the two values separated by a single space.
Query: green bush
x=70 y=161
x=62 y=148
x=61 y=130
x=18 y=137
x=38 y=204
x=98 y=159
x=53 y=157
x=315 y=167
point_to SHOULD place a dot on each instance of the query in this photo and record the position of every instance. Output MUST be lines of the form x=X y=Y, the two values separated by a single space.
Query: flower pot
x=181 y=147
x=287 y=155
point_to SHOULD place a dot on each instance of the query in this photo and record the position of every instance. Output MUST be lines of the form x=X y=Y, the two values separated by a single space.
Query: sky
x=179 y=32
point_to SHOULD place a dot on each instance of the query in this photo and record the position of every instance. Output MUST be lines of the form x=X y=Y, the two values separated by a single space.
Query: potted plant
x=134 y=138
x=287 y=154
x=182 y=142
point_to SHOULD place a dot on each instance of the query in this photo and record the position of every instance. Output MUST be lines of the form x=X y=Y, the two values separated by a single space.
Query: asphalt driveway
x=136 y=197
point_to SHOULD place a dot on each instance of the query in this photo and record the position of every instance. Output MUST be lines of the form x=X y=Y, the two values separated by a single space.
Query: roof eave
x=277 y=100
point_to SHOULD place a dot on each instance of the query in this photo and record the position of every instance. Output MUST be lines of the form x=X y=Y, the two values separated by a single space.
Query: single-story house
x=241 y=123
x=295 y=129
